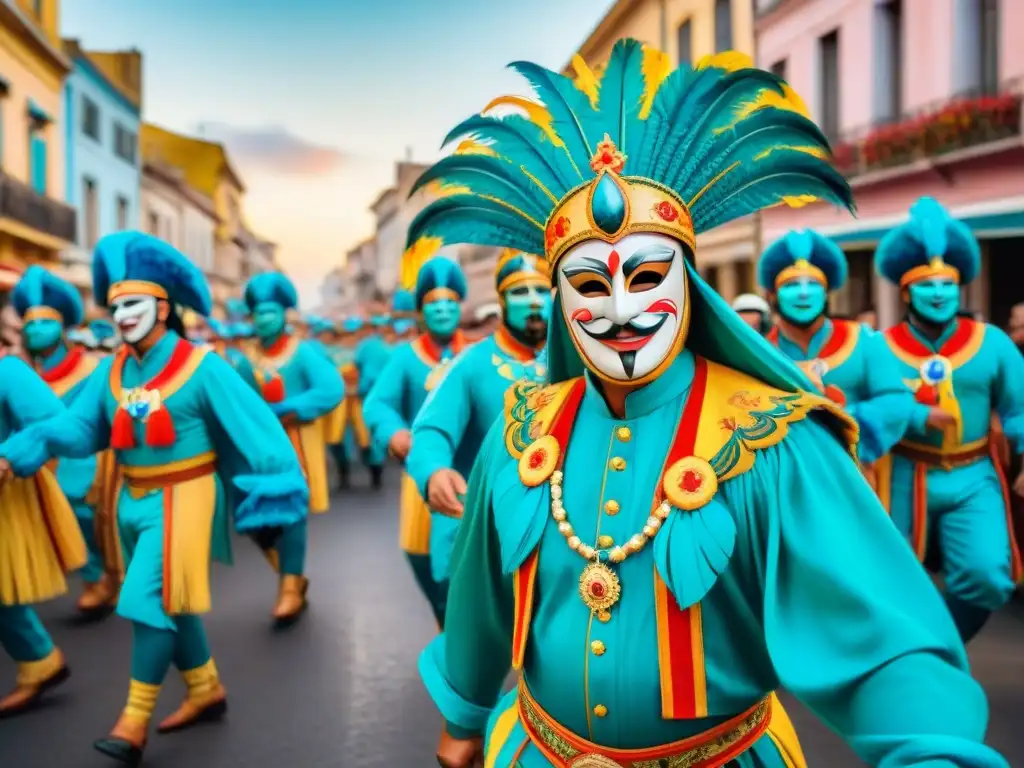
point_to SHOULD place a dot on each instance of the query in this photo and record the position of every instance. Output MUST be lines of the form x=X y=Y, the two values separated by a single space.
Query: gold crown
x=612 y=206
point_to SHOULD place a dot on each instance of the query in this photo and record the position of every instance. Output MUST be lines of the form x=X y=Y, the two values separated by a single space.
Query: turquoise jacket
x=25 y=400
x=312 y=384
x=211 y=412
x=403 y=386
x=832 y=607
x=860 y=375
x=76 y=476
x=370 y=357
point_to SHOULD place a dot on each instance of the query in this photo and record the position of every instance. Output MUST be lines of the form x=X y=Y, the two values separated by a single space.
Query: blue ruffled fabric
x=520 y=514
x=693 y=549
x=270 y=500
x=453 y=707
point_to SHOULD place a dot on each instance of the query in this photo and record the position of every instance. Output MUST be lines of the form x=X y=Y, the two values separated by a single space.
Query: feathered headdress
x=40 y=294
x=931 y=243
x=639 y=149
x=802 y=253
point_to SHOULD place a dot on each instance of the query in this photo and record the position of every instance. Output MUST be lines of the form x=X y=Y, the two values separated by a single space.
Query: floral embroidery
x=608 y=157
x=665 y=211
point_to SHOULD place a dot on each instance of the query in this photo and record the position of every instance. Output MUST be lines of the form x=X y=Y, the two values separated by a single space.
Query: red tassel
x=835 y=394
x=160 y=429
x=927 y=395
x=273 y=390
x=122 y=431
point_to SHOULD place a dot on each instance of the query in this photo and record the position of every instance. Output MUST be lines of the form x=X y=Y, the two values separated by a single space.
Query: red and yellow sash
x=431 y=353
x=836 y=350
x=69 y=372
x=269 y=361
x=160 y=433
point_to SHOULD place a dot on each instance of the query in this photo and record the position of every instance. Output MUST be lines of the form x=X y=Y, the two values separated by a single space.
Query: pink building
x=919 y=97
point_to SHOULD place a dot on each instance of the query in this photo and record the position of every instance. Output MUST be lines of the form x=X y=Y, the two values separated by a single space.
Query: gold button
x=604 y=617
x=600 y=710
x=618 y=463
x=597 y=647
x=611 y=507
x=624 y=434
x=605 y=541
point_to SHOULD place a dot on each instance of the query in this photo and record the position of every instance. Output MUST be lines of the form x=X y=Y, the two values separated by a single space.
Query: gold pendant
x=599 y=587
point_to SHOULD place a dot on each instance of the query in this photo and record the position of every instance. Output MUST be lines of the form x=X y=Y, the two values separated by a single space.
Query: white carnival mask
x=135 y=315
x=625 y=304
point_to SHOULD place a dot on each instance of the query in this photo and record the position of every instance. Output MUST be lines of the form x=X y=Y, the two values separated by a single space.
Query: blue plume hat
x=517 y=267
x=380 y=321
x=440 y=273
x=640 y=148
x=352 y=324
x=134 y=262
x=270 y=287
x=40 y=289
x=802 y=253
x=930 y=243
x=241 y=329
x=403 y=303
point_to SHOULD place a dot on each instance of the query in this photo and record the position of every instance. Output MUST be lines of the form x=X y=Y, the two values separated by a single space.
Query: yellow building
x=207 y=169
x=35 y=223
x=688 y=30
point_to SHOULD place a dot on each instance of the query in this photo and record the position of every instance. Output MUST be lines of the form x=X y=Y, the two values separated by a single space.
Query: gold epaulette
x=530 y=409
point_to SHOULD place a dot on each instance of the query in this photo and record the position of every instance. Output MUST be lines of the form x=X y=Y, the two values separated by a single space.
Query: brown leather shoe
x=26 y=695
x=126 y=742
x=98 y=598
x=210 y=709
x=291 y=600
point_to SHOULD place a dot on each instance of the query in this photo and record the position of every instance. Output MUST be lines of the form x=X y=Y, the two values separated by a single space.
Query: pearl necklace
x=599 y=584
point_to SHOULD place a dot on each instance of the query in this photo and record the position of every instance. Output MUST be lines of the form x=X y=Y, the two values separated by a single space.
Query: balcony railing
x=18 y=201
x=962 y=122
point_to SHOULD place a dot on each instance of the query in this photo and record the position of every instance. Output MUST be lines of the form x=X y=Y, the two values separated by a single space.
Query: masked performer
x=48 y=305
x=943 y=486
x=849 y=366
x=301 y=386
x=370 y=357
x=466 y=400
x=674 y=527
x=399 y=394
x=182 y=425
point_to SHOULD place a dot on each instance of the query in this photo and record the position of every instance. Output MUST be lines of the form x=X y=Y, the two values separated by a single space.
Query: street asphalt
x=340 y=690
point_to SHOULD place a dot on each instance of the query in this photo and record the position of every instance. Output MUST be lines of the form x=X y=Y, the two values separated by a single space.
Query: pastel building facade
x=920 y=97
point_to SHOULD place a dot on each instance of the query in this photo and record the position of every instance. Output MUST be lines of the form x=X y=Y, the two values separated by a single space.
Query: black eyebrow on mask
x=658 y=254
x=589 y=264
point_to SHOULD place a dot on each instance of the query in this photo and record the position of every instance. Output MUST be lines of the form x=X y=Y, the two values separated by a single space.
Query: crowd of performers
x=656 y=508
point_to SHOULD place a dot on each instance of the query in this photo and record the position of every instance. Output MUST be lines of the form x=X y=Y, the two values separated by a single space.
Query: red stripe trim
x=903 y=337
x=65 y=367
x=840 y=332
x=168 y=492
x=1016 y=562
x=278 y=346
x=919 y=530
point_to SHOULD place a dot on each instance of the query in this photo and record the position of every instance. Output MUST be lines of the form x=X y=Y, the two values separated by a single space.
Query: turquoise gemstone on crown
x=608 y=206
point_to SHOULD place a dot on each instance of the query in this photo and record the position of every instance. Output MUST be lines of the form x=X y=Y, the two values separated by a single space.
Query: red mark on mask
x=663 y=305
x=613 y=262
x=582 y=315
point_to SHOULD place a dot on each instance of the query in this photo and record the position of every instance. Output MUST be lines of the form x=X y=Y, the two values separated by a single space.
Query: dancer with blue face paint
x=451 y=425
x=48 y=305
x=944 y=484
x=412 y=371
x=301 y=386
x=849 y=366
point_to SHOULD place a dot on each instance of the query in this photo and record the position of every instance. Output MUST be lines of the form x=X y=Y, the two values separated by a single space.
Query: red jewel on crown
x=608 y=157
x=666 y=211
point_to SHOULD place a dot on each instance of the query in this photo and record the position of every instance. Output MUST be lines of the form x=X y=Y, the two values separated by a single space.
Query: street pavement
x=340 y=690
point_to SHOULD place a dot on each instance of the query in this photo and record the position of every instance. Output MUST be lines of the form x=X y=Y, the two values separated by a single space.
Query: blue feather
x=622 y=90
x=471 y=219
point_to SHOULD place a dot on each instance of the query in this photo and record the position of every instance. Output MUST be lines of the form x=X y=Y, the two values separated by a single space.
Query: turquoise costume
x=398 y=395
x=40 y=541
x=450 y=427
x=944 y=484
x=368 y=361
x=184 y=428
x=350 y=420
x=674 y=527
x=403 y=313
x=48 y=305
x=800 y=269
x=302 y=386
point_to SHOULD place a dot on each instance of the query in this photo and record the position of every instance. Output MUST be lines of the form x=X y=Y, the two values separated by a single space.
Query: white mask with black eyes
x=135 y=316
x=625 y=304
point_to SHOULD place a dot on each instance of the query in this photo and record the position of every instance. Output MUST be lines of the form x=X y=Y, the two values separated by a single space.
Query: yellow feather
x=799 y=201
x=586 y=79
x=415 y=256
x=656 y=67
x=815 y=151
x=796 y=103
x=537 y=113
x=730 y=61
x=471 y=147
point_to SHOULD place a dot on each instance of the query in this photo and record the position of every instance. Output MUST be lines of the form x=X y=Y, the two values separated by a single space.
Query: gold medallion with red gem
x=539 y=461
x=690 y=483
x=599 y=587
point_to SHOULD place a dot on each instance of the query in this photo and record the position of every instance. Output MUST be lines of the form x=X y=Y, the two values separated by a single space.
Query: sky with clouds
x=316 y=99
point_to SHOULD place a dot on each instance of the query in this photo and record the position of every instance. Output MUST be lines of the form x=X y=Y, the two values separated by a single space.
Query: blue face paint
x=42 y=334
x=442 y=317
x=801 y=302
x=523 y=302
x=936 y=300
x=268 y=319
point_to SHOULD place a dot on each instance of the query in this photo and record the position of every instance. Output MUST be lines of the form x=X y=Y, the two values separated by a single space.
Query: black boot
x=377 y=477
x=343 y=477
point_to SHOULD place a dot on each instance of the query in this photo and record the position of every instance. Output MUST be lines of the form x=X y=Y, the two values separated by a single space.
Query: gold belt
x=711 y=749
x=933 y=458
